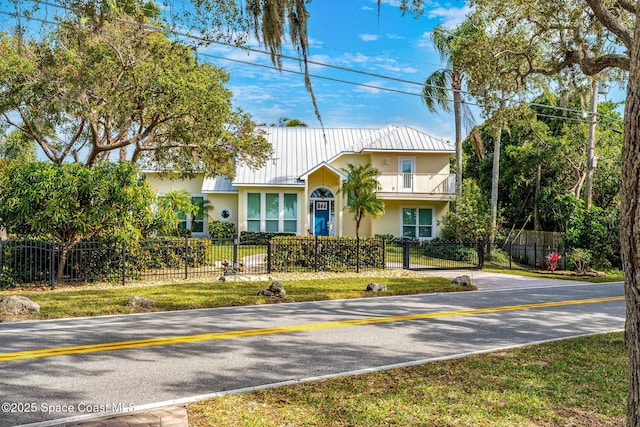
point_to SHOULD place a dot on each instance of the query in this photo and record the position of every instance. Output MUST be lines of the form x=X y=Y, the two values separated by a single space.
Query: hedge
x=322 y=253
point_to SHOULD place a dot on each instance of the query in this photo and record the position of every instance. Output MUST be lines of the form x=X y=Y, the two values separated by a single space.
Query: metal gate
x=438 y=254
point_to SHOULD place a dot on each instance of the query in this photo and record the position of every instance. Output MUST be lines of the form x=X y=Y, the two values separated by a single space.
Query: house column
x=303 y=210
x=339 y=200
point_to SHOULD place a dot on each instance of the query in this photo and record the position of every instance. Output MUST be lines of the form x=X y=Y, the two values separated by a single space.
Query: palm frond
x=436 y=93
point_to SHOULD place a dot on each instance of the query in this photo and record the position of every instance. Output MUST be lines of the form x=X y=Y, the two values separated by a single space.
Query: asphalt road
x=65 y=369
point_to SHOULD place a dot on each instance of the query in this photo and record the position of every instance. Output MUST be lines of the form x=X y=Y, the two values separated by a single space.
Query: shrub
x=222 y=230
x=451 y=250
x=325 y=253
x=497 y=256
x=260 y=237
x=580 y=260
x=29 y=262
x=597 y=230
x=552 y=261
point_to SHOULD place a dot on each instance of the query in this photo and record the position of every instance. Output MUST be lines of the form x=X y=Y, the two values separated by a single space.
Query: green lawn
x=419 y=259
x=579 y=382
x=70 y=302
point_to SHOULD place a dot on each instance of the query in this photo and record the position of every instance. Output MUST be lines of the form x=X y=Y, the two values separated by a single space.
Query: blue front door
x=321 y=214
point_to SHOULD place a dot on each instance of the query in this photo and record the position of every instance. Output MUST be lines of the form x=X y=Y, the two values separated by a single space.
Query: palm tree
x=437 y=86
x=360 y=187
x=180 y=201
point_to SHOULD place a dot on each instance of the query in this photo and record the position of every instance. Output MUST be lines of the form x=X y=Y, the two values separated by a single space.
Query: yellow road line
x=151 y=342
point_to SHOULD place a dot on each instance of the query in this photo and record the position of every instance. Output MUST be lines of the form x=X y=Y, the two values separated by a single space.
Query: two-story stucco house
x=297 y=190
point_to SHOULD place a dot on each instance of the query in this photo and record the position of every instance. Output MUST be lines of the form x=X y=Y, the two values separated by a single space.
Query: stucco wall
x=222 y=201
x=165 y=185
x=391 y=222
x=425 y=162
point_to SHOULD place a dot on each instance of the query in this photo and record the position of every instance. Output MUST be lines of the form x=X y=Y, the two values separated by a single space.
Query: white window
x=272 y=212
x=417 y=222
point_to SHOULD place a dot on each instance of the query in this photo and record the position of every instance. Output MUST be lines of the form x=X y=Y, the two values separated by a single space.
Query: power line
x=369 y=86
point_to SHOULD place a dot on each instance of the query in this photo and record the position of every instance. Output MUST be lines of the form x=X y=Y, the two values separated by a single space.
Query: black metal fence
x=531 y=254
x=49 y=263
x=434 y=254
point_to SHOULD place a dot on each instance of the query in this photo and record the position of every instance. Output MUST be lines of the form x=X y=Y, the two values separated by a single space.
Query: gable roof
x=297 y=151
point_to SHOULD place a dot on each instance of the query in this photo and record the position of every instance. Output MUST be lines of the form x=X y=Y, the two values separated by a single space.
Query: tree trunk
x=591 y=150
x=577 y=189
x=457 y=116
x=536 y=200
x=62 y=262
x=495 y=177
x=630 y=229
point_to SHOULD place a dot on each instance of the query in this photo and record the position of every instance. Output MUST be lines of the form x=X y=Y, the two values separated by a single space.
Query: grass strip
x=112 y=300
x=577 y=382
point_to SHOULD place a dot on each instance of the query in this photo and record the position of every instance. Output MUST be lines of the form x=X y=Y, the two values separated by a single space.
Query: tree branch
x=612 y=22
x=48 y=150
x=628 y=6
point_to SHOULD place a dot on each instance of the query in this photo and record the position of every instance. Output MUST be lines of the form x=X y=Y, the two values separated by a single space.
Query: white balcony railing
x=419 y=183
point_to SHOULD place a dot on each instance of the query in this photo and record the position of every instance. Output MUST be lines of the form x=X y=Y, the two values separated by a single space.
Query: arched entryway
x=322 y=212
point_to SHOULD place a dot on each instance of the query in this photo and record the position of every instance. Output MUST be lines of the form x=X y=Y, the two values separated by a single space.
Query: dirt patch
x=16 y=318
x=586 y=274
x=576 y=417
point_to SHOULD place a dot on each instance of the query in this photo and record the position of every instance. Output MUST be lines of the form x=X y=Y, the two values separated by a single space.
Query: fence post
x=315 y=258
x=384 y=253
x=535 y=254
x=1 y=262
x=124 y=263
x=510 y=253
x=186 y=257
x=405 y=254
x=52 y=273
x=234 y=264
x=269 y=255
x=481 y=247
x=358 y=254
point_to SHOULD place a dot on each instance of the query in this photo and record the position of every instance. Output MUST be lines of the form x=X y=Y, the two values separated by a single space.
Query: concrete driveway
x=486 y=280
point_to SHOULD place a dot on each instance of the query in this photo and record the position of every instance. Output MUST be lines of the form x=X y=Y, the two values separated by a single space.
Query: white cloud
x=368 y=37
x=451 y=16
x=395 y=3
x=358 y=58
x=424 y=42
x=370 y=90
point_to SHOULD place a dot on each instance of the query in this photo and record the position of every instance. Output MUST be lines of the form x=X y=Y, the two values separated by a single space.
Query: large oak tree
x=576 y=38
x=97 y=89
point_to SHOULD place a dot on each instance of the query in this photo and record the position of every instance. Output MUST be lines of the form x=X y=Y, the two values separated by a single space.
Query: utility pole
x=591 y=156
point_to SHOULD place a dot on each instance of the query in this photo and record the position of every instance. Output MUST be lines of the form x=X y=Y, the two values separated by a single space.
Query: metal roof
x=298 y=150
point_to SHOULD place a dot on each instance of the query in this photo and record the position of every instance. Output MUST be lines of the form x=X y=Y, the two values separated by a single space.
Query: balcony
x=425 y=184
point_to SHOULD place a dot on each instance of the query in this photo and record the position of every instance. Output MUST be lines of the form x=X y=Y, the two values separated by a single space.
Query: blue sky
x=349 y=34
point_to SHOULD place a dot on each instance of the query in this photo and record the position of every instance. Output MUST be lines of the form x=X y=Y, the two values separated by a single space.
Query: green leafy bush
x=580 y=260
x=260 y=237
x=388 y=238
x=325 y=253
x=28 y=262
x=451 y=250
x=25 y=261
x=222 y=230
x=596 y=230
